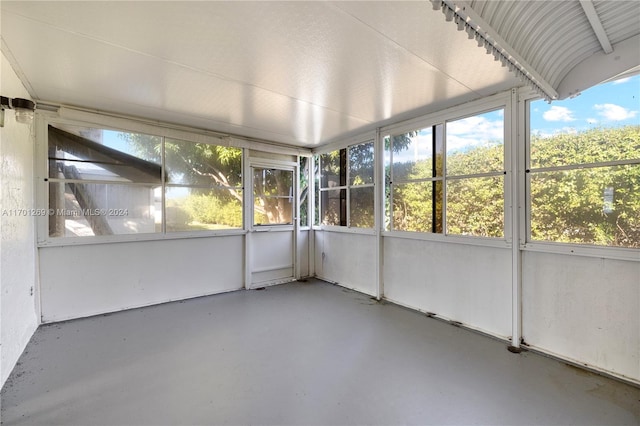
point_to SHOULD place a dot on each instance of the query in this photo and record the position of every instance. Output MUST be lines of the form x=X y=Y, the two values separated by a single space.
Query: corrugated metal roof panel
x=554 y=37
x=621 y=19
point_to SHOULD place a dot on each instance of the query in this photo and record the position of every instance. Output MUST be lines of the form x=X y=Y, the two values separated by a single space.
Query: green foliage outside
x=203 y=211
x=593 y=205
x=590 y=205
x=599 y=205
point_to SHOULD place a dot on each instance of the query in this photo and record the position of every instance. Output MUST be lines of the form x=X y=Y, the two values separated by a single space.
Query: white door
x=273 y=225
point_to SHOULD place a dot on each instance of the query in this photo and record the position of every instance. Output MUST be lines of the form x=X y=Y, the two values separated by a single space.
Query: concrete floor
x=300 y=353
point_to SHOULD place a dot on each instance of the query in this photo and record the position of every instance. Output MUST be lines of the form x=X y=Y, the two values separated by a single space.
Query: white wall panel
x=17 y=229
x=466 y=283
x=83 y=280
x=585 y=309
x=347 y=259
x=271 y=257
x=302 y=254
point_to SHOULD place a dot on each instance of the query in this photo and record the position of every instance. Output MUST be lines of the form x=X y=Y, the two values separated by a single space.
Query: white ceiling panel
x=301 y=73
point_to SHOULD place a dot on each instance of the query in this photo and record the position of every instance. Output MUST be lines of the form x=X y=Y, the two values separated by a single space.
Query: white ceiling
x=300 y=73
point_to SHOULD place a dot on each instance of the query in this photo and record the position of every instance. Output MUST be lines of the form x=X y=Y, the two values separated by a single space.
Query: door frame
x=256 y=162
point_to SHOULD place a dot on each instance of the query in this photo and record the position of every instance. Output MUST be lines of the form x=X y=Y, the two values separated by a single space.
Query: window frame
x=119 y=124
x=345 y=145
x=554 y=247
x=502 y=101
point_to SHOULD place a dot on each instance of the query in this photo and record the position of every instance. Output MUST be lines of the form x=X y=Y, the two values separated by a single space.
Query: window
x=103 y=182
x=346 y=187
x=584 y=167
x=475 y=175
x=416 y=178
x=273 y=196
x=458 y=164
x=304 y=167
x=106 y=182
x=204 y=186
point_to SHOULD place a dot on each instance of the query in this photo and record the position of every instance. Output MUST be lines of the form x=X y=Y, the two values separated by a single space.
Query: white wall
x=347 y=259
x=84 y=280
x=584 y=309
x=18 y=316
x=302 y=253
x=466 y=283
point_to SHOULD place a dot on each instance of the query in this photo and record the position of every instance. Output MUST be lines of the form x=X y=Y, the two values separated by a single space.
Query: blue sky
x=611 y=104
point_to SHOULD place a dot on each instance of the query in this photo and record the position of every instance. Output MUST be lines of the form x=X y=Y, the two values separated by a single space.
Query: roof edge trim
x=467 y=19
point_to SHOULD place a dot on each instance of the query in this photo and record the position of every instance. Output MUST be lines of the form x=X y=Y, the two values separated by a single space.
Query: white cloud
x=614 y=112
x=558 y=113
x=473 y=131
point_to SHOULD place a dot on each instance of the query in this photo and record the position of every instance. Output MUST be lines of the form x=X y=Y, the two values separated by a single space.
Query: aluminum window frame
x=566 y=248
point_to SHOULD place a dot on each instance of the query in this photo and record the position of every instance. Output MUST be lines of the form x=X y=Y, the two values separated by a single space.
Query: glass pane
x=88 y=209
x=387 y=182
x=195 y=209
x=413 y=206
x=273 y=197
x=334 y=206
x=190 y=163
x=588 y=206
x=98 y=154
x=476 y=144
x=316 y=185
x=272 y=182
x=413 y=155
x=304 y=190
x=475 y=206
x=584 y=147
x=332 y=169
x=361 y=164
x=602 y=124
x=361 y=211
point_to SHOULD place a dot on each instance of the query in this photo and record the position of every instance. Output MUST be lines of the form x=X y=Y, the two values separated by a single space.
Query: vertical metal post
x=379 y=202
x=516 y=141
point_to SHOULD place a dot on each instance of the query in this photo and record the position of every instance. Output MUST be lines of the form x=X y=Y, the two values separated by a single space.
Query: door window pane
x=272 y=197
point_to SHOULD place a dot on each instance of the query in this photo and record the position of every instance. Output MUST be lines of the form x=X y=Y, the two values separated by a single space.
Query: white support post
x=247 y=191
x=516 y=181
x=379 y=211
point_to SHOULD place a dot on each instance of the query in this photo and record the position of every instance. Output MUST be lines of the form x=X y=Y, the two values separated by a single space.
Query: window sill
x=453 y=239
x=604 y=252
x=112 y=239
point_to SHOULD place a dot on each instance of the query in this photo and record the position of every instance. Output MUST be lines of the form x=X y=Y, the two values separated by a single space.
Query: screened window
x=273 y=196
x=304 y=165
x=346 y=190
x=204 y=186
x=103 y=182
x=458 y=164
x=584 y=167
x=107 y=182
x=415 y=180
x=475 y=175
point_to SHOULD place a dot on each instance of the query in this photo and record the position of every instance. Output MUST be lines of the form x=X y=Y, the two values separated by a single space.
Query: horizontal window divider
x=585 y=250
x=133 y=238
x=433 y=179
x=106 y=182
x=178 y=185
x=364 y=185
x=285 y=227
x=477 y=175
x=448 y=238
x=333 y=188
x=586 y=166
x=345 y=230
